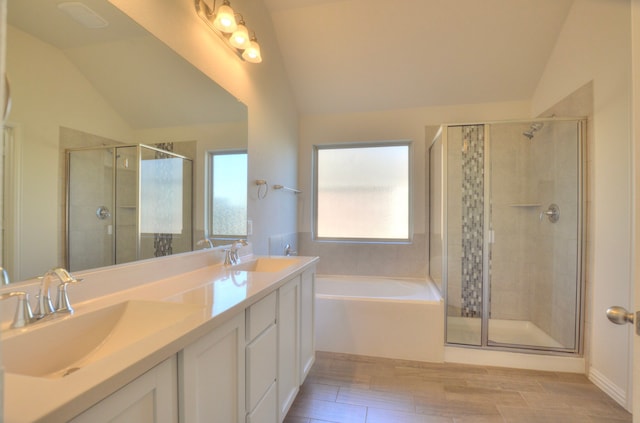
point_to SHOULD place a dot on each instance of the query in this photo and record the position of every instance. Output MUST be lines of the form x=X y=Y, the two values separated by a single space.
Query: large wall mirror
x=90 y=78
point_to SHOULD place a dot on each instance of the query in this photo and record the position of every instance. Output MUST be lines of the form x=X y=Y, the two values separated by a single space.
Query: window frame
x=368 y=144
x=208 y=186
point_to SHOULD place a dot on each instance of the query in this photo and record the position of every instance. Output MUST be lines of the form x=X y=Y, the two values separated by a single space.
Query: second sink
x=266 y=264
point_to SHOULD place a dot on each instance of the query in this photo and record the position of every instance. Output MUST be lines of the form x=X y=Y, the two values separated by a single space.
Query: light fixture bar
x=233 y=31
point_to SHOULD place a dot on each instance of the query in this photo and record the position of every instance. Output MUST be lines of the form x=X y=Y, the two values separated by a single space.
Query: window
x=362 y=192
x=227 y=196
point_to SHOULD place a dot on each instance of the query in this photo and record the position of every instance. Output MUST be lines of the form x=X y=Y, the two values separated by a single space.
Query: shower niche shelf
x=524 y=205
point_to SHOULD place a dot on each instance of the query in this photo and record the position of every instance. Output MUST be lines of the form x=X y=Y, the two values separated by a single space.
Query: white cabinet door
x=213 y=376
x=151 y=398
x=267 y=410
x=288 y=345
x=261 y=368
x=307 y=316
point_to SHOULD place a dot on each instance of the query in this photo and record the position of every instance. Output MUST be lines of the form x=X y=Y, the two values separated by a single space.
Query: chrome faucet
x=45 y=306
x=4 y=277
x=231 y=254
x=23 y=315
x=204 y=243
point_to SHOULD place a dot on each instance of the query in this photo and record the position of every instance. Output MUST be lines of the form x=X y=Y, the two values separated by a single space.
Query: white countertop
x=218 y=294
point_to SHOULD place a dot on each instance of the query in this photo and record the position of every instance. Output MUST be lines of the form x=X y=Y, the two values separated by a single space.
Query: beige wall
x=264 y=88
x=37 y=119
x=594 y=45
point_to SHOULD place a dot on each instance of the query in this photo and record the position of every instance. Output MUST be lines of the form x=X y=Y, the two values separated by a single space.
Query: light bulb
x=240 y=38
x=225 y=20
x=252 y=53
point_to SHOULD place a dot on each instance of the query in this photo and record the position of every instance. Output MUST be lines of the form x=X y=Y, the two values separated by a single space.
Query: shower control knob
x=620 y=316
x=552 y=213
x=103 y=213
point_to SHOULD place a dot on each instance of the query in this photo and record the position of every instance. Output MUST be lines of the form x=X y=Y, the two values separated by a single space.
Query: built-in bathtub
x=380 y=317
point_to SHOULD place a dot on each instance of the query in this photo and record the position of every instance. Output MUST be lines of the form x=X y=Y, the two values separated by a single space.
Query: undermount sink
x=266 y=264
x=59 y=348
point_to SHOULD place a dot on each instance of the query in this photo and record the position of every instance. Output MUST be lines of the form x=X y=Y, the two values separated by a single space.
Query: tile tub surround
x=191 y=278
x=356 y=389
x=401 y=260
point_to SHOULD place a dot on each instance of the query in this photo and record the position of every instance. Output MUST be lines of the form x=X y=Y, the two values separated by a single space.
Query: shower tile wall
x=90 y=187
x=397 y=260
x=126 y=204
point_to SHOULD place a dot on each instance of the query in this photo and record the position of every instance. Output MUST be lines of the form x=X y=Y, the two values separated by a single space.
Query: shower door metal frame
x=578 y=349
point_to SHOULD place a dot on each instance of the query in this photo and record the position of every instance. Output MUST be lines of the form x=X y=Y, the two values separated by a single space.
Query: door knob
x=620 y=316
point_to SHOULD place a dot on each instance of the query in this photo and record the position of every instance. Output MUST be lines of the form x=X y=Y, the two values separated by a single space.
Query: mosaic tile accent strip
x=472 y=219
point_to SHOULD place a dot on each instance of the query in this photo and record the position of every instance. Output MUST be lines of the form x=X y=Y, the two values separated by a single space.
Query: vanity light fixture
x=252 y=53
x=240 y=37
x=235 y=33
x=225 y=19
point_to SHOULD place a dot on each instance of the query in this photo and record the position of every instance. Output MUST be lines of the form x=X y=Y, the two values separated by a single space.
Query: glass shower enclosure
x=506 y=233
x=126 y=203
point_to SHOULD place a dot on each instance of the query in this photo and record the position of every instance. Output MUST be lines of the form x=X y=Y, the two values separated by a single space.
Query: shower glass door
x=534 y=234
x=90 y=208
x=506 y=230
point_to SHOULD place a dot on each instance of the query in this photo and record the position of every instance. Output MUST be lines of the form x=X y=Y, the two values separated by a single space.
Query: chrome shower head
x=535 y=126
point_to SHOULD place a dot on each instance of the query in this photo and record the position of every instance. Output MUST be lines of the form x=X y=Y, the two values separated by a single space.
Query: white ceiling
x=346 y=56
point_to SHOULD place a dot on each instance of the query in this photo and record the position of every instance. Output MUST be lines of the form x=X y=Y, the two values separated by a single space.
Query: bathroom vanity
x=183 y=338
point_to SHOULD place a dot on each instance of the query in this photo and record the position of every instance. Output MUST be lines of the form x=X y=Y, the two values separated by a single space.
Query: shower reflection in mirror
x=148 y=192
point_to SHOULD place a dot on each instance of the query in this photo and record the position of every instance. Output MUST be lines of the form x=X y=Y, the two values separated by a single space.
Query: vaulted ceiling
x=346 y=56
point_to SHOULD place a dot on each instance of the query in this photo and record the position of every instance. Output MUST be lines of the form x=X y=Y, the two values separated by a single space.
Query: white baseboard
x=601 y=381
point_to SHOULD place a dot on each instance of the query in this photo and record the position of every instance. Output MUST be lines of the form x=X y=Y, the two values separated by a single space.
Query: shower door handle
x=620 y=316
x=552 y=213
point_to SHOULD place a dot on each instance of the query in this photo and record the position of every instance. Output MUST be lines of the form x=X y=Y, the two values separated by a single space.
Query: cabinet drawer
x=260 y=316
x=261 y=369
x=267 y=409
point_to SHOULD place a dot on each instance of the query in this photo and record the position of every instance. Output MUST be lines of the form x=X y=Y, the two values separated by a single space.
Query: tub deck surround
x=217 y=292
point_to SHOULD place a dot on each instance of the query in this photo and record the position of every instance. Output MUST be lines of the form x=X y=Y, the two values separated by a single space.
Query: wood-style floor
x=352 y=389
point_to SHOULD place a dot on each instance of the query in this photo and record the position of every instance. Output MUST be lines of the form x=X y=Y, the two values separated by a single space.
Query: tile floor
x=352 y=389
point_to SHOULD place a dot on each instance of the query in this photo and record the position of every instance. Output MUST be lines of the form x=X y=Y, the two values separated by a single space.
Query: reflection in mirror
x=126 y=203
x=79 y=83
x=228 y=195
